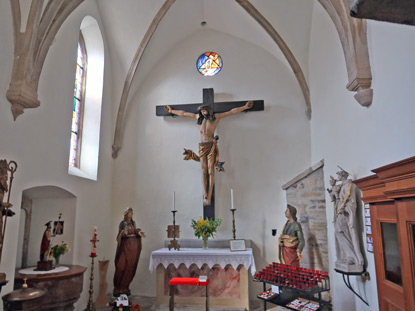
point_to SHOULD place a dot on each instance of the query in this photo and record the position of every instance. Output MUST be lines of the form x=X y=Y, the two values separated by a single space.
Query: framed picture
x=237 y=245
x=367 y=221
x=368 y=230
x=58 y=227
x=367 y=212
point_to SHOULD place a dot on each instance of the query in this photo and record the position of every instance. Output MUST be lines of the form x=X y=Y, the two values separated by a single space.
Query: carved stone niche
x=397 y=11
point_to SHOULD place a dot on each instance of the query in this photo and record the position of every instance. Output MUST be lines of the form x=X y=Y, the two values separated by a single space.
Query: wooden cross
x=219 y=107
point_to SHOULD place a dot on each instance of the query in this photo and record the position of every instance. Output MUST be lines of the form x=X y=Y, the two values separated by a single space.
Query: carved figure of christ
x=208 y=150
x=207 y=147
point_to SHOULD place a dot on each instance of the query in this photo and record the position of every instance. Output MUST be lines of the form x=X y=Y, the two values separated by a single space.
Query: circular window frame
x=203 y=58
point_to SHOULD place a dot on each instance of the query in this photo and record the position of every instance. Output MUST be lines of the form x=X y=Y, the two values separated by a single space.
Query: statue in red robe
x=45 y=245
x=127 y=254
x=292 y=239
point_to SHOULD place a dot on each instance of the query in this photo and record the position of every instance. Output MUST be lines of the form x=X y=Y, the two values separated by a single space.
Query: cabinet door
x=406 y=221
x=387 y=249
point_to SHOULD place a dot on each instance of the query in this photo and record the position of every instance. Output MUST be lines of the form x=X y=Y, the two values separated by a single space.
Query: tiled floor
x=149 y=304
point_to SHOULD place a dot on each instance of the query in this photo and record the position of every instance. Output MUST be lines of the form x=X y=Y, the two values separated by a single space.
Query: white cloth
x=32 y=270
x=200 y=256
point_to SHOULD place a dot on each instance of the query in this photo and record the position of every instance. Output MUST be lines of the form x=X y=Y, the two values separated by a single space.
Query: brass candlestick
x=233 y=222
x=94 y=241
x=173 y=243
x=90 y=306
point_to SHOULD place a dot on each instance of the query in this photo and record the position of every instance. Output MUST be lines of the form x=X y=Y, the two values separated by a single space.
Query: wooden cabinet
x=391 y=195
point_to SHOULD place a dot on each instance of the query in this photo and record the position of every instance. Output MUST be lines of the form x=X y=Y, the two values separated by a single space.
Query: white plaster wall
x=261 y=150
x=39 y=142
x=357 y=138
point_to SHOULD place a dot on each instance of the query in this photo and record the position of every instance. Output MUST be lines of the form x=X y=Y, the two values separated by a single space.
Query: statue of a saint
x=128 y=253
x=291 y=241
x=4 y=176
x=208 y=149
x=348 y=249
x=45 y=244
x=334 y=191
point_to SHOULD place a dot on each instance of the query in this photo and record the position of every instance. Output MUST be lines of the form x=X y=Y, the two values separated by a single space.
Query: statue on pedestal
x=291 y=241
x=127 y=254
x=348 y=246
x=44 y=264
x=45 y=244
x=4 y=206
x=102 y=301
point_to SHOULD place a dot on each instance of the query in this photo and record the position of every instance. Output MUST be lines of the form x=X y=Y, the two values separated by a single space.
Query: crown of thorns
x=205 y=107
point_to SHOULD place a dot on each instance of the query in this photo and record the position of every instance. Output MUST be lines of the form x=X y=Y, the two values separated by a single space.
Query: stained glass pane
x=209 y=63
x=77 y=105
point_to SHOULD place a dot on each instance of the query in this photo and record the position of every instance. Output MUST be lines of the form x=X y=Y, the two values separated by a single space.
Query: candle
x=94 y=242
x=174 y=201
x=232 y=199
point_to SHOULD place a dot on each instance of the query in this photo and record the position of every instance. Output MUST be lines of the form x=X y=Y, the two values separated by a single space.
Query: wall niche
x=40 y=205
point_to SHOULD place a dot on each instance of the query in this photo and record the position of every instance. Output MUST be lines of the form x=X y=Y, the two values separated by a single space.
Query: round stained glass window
x=209 y=63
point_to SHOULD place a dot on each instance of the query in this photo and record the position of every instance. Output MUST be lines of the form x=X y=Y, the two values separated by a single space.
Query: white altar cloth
x=200 y=256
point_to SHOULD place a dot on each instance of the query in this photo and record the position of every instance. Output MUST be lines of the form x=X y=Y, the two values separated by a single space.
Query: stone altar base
x=227 y=287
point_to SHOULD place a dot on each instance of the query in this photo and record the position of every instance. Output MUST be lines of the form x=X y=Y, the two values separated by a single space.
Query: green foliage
x=59 y=250
x=205 y=227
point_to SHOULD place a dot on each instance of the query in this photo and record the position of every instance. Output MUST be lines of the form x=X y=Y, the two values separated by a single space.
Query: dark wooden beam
x=394 y=11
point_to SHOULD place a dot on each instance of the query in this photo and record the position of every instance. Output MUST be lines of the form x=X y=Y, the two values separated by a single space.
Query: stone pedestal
x=44 y=265
x=102 y=300
x=62 y=289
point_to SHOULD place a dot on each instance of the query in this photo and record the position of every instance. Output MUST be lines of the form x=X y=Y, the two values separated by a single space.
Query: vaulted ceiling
x=126 y=22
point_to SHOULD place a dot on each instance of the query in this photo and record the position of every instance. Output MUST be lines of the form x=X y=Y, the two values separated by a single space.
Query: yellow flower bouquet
x=205 y=228
x=59 y=250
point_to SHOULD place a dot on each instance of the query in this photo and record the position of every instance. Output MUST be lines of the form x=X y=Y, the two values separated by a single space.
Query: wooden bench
x=201 y=281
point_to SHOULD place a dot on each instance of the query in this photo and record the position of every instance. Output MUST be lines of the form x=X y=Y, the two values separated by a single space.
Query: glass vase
x=57 y=260
x=205 y=242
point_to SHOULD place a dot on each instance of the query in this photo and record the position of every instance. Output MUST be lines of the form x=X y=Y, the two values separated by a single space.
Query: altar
x=227 y=271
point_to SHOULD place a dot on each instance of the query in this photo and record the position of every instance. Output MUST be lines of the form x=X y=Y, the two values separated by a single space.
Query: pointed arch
x=159 y=16
x=131 y=73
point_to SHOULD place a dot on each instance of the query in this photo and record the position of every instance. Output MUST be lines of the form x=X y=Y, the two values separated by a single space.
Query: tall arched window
x=78 y=104
x=87 y=102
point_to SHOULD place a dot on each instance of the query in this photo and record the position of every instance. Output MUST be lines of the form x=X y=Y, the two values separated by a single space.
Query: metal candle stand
x=173 y=243
x=91 y=306
x=233 y=222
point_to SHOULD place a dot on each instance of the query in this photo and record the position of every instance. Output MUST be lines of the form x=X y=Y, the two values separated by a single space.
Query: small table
x=187 y=281
x=232 y=266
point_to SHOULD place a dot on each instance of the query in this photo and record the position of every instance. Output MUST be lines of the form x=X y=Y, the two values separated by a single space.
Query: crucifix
x=208 y=115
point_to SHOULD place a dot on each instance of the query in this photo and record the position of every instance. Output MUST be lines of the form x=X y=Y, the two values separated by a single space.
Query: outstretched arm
x=234 y=111
x=180 y=113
